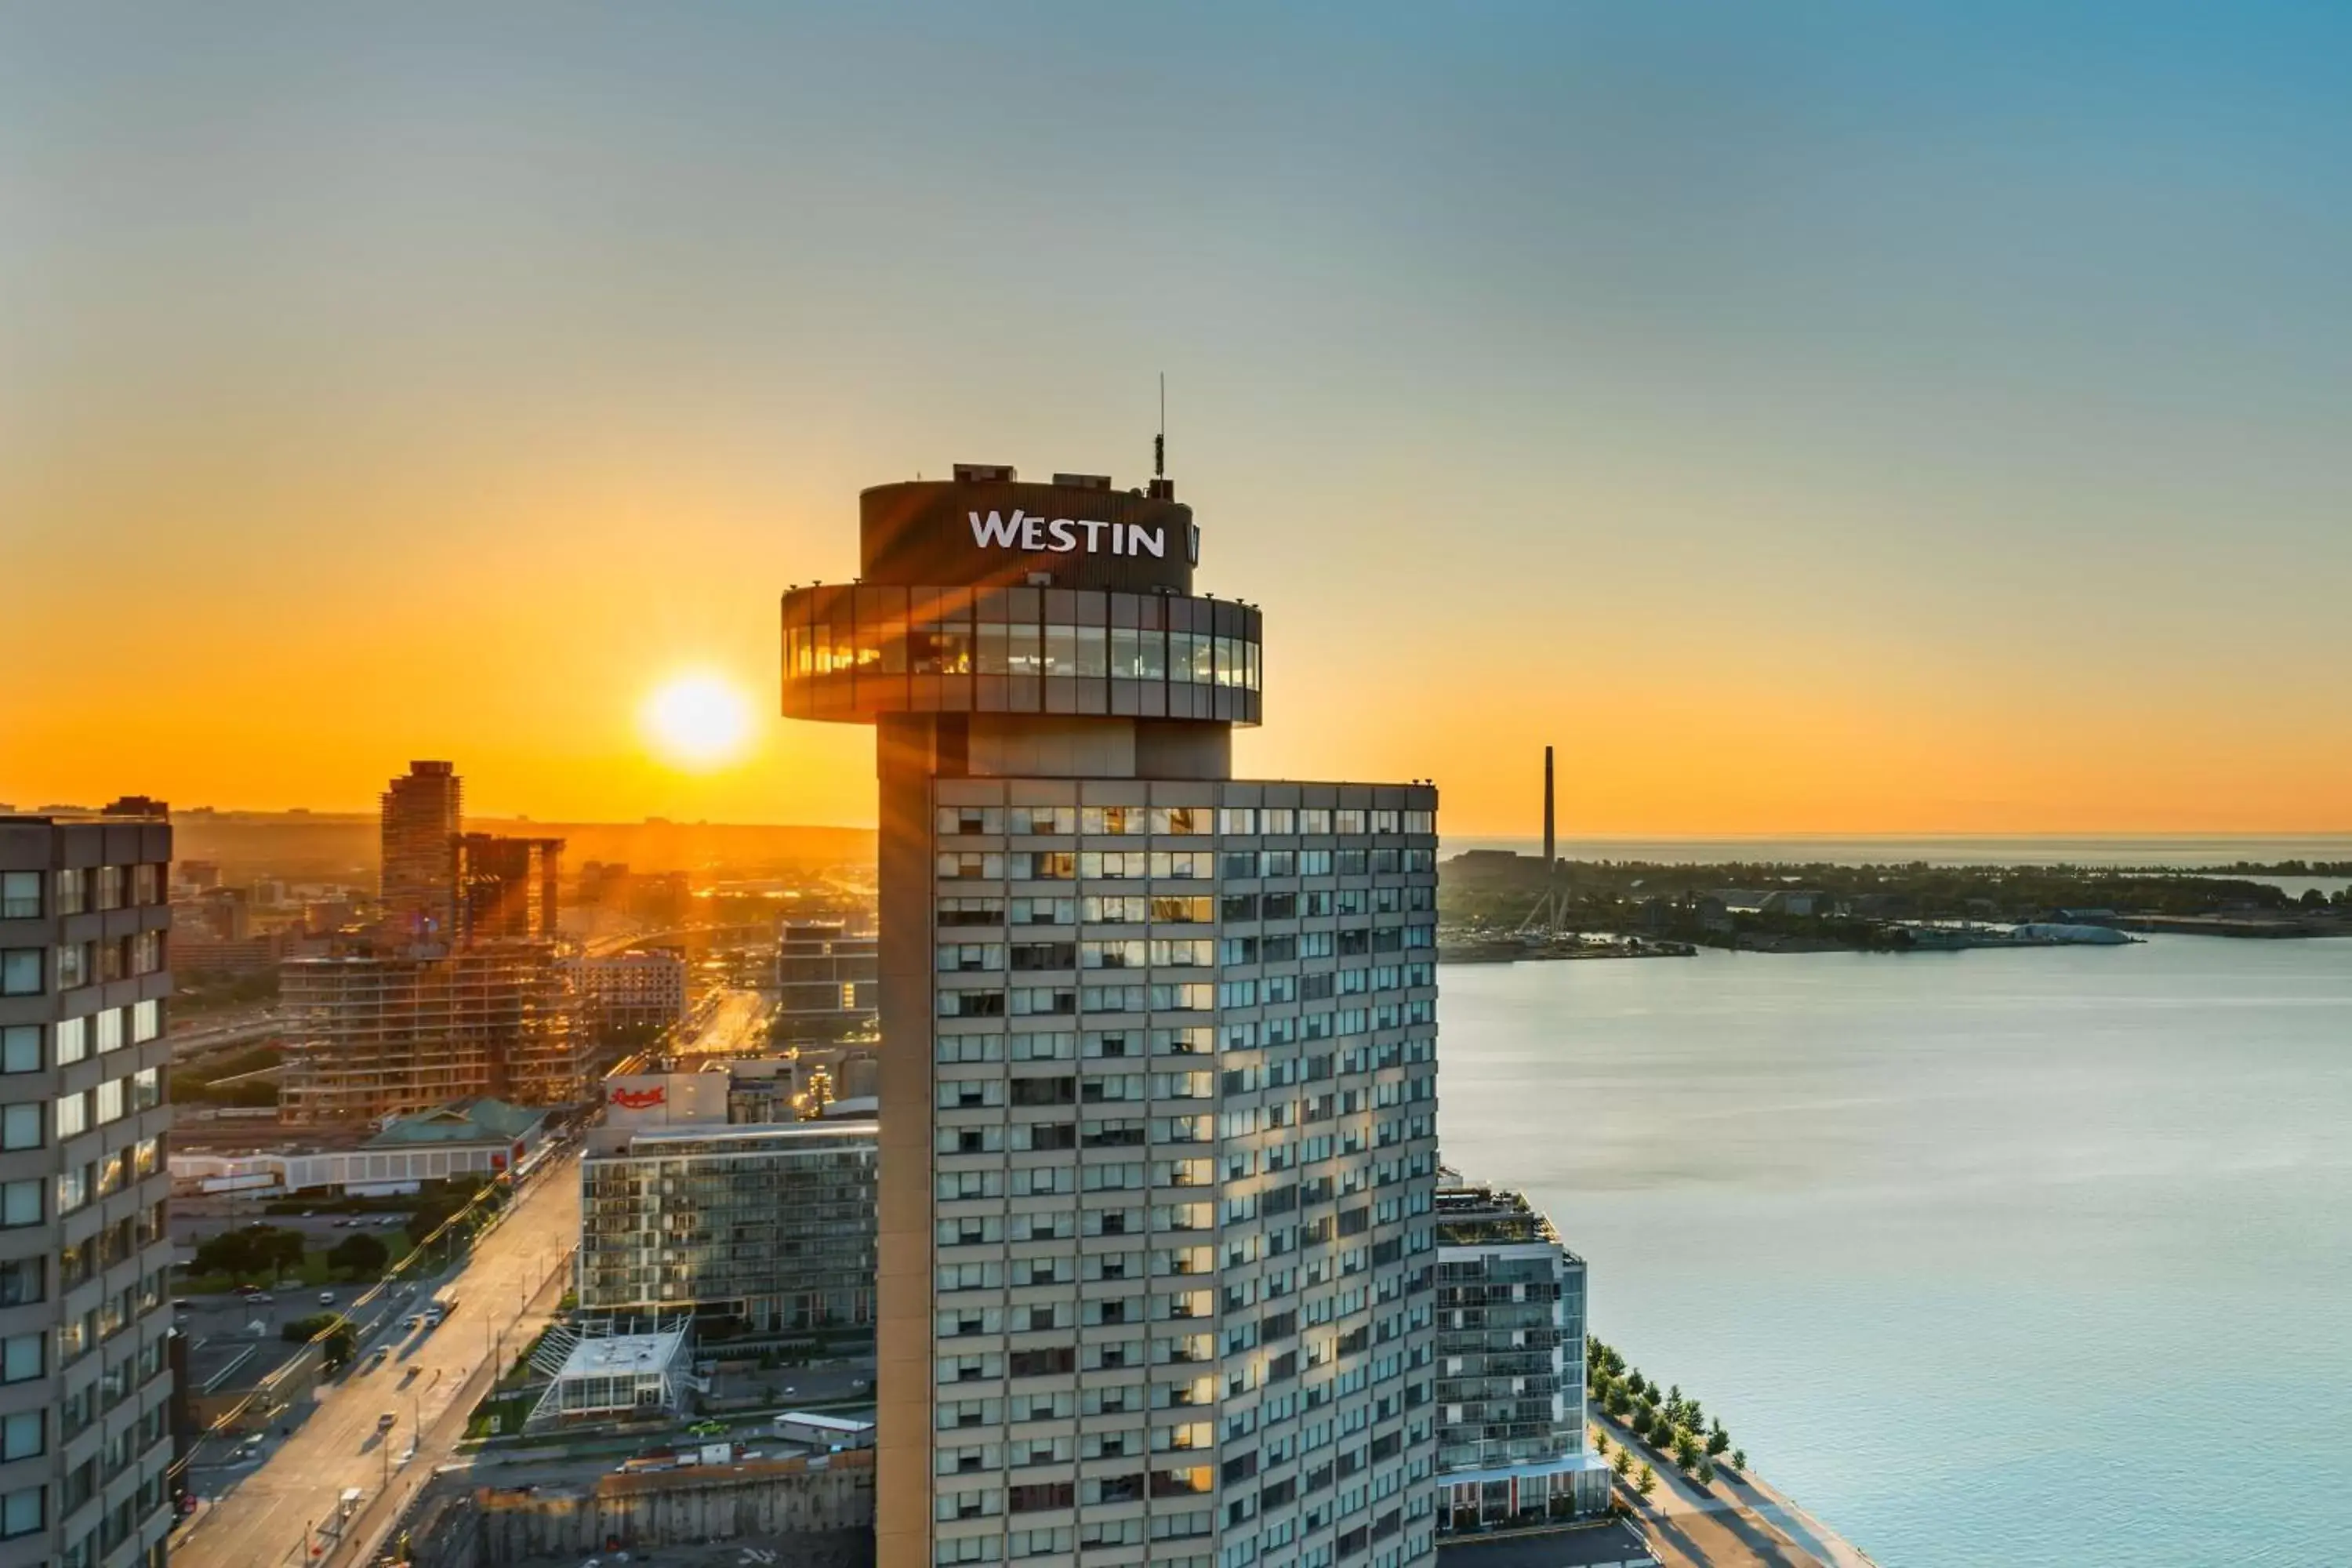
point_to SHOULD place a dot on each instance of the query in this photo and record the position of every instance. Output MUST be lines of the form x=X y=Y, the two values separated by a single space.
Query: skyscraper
x=85 y=1255
x=1159 y=1117
x=504 y=890
x=422 y=814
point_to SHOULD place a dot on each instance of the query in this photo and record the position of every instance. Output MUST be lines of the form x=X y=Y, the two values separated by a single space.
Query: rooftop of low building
x=473 y=1121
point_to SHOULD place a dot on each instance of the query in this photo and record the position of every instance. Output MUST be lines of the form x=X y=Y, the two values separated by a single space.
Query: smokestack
x=1548 y=862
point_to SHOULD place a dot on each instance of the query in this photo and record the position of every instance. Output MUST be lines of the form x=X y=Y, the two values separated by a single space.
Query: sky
x=1809 y=417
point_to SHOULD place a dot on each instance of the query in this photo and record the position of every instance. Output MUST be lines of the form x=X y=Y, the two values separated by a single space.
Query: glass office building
x=1159 y=1073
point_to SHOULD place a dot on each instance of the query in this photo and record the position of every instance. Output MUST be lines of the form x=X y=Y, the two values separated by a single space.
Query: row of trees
x=249 y=1251
x=269 y=1251
x=1671 y=1423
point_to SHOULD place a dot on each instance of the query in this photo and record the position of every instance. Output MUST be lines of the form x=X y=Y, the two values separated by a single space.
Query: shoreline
x=1739 y=1521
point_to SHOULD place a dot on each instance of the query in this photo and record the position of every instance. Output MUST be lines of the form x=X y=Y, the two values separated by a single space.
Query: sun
x=698 y=720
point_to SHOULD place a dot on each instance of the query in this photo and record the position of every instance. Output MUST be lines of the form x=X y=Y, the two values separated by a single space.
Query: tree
x=1619 y=1401
x=1718 y=1440
x=359 y=1255
x=1686 y=1451
x=1641 y=1421
x=249 y=1249
x=1647 y=1481
x=302 y=1330
x=1623 y=1462
x=284 y=1249
x=1601 y=1442
x=1739 y=1458
x=231 y=1252
x=1704 y=1474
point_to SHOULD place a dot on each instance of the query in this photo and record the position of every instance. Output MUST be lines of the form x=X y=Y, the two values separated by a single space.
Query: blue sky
x=1828 y=416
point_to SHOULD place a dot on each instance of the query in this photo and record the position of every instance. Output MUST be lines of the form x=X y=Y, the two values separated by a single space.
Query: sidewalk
x=1691 y=1526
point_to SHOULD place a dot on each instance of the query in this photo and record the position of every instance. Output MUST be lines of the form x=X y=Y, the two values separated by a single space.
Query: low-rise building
x=1511 y=1447
x=475 y=1137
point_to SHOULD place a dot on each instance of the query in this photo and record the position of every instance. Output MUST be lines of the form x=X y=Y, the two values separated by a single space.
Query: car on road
x=326 y=1298
x=383 y=1423
x=262 y=1298
x=377 y=1359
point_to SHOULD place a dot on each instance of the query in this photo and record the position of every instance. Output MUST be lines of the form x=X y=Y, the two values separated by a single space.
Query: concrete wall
x=817 y=1517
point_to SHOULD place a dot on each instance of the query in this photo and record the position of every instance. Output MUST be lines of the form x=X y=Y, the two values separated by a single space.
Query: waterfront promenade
x=1738 y=1521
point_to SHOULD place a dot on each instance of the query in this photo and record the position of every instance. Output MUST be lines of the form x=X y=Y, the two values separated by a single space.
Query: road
x=267 y=1516
x=736 y=1025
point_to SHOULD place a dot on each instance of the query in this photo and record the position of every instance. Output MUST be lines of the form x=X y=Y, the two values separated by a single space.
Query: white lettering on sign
x=1060 y=535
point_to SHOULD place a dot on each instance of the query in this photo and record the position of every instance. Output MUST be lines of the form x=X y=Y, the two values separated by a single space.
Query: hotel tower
x=1159 y=1142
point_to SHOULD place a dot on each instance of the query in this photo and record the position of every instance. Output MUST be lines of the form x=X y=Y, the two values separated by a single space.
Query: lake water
x=2033 y=1258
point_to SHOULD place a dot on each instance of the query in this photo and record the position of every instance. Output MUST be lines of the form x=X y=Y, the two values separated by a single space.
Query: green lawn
x=510 y=1409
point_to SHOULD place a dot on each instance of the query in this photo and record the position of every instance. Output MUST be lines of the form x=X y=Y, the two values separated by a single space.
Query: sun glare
x=698 y=722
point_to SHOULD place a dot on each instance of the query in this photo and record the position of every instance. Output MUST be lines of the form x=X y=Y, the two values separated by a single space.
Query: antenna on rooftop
x=1159 y=442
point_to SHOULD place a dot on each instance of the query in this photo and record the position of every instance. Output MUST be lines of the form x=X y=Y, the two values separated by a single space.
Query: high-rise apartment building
x=84 y=1252
x=1510 y=1366
x=503 y=889
x=1158 y=1110
x=422 y=810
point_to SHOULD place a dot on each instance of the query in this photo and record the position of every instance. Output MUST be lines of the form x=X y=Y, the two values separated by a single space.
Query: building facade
x=773 y=1224
x=422 y=812
x=825 y=980
x=371 y=1034
x=642 y=988
x=84 y=1251
x=504 y=890
x=1158 y=1058
x=1511 y=1447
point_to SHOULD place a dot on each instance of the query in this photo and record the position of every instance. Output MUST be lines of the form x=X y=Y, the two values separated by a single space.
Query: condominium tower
x=422 y=812
x=1510 y=1366
x=84 y=1253
x=1157 y=1109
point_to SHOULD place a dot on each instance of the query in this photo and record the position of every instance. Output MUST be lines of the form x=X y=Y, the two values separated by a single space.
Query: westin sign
x=1066 y=536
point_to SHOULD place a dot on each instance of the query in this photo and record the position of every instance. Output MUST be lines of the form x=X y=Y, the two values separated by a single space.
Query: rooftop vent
x=1082 y=481
x=983 y=473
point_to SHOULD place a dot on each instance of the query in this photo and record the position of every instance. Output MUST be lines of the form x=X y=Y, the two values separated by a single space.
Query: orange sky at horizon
x=1806 y=430
x=1725 y=729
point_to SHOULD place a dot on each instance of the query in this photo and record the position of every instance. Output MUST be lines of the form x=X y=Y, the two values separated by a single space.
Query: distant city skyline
x=1857 y=420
